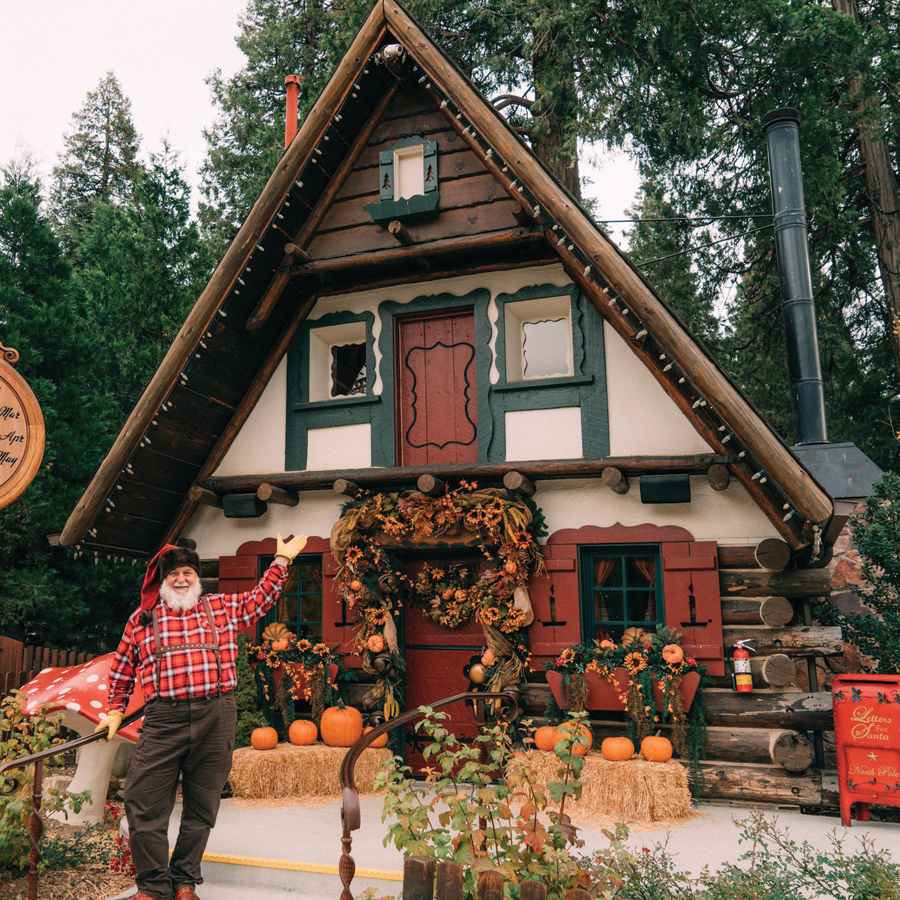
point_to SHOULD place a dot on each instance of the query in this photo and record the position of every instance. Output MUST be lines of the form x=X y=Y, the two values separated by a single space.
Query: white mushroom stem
x=95 y=762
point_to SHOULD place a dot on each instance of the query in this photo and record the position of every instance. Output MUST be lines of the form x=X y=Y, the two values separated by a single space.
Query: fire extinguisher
x=741 y=679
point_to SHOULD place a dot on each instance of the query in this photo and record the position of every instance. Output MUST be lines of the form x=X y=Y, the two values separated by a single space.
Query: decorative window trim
x=408 y=209
x=585 y=388
x=302 y=413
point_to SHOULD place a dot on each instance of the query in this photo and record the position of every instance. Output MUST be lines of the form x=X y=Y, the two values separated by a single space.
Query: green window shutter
x=386 y=175
x=430 y=165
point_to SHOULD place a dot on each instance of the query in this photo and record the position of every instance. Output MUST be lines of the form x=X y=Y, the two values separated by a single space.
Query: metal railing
x=506 y=711
x=35 y=823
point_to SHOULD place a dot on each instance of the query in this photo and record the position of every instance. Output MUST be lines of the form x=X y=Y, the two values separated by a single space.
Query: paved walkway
x=260 y=850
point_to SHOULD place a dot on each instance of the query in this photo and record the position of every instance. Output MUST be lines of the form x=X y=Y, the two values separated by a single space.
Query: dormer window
x=538 y=339
x=407 y=182
x=337 y=361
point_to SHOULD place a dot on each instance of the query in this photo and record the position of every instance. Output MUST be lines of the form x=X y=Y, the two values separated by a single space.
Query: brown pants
x=193 y=739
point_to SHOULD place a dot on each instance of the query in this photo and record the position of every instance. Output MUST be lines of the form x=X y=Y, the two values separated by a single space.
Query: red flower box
x=603 y=696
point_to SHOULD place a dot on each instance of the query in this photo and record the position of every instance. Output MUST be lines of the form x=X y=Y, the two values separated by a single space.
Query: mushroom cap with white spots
x=81 y=690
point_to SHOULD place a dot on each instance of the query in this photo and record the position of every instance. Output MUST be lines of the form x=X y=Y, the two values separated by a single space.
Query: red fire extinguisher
x=740 y=667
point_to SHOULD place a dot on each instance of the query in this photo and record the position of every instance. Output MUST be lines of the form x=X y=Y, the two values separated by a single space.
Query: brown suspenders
x=159 y=651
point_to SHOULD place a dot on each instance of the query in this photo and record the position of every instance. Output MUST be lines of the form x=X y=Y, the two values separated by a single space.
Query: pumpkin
x=263 y=738
x=631 y=636
x=488 y=657
x=341 y=726
x=607 y=645
x=647 y=639
x=276 y=631
x=477 y=674
x=510 y=566
x=579 y=734
x=280 y=644
x=673 y=654
x=378 y=742
x=375 y=643
x=545 y=737
x=303 y=732
x=617 y=748
x=356 y=585
x=656 y=749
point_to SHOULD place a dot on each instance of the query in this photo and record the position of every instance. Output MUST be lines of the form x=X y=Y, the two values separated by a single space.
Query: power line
x=684 y=219
x=650 y=262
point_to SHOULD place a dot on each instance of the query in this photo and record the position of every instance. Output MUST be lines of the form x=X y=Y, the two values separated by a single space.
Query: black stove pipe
x=797 y=304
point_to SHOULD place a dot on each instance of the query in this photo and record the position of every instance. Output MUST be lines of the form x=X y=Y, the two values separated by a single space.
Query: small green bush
x=249 y=715
x=22 y=735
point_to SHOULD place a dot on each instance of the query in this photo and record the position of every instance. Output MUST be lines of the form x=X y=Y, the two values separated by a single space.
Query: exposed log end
x=431 y=486
x=347 y=488
x=773 y=611
x=204 y=496
x=519 y=484
x=615 y=480
x=772 y=554
x=273 y=494
x=718 y=476
x=398 y=230
x=295 y=254
x=777 y=670
x=792 y=750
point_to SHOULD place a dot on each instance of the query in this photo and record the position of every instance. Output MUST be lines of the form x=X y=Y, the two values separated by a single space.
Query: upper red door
x=436 y=392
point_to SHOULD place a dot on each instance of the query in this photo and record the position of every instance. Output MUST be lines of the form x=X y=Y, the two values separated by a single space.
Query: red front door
x=435 y=658
x=436 y=391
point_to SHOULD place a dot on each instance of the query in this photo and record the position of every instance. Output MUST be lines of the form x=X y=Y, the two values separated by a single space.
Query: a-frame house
x=414 y=294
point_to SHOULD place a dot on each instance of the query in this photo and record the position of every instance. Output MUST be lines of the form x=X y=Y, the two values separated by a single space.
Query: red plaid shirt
x=189 y=673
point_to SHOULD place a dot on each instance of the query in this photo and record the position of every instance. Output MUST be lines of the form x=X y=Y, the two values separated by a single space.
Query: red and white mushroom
x=78 y=696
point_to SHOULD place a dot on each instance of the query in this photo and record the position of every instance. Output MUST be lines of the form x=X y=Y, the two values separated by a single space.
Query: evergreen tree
x=99 y=164
x=47 y=596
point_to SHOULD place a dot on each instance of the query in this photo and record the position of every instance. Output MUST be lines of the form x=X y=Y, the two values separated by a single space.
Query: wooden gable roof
x=304 y=238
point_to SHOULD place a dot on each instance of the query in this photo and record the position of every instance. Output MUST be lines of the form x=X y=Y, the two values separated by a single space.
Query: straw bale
x=635 y=790
x=292 y=771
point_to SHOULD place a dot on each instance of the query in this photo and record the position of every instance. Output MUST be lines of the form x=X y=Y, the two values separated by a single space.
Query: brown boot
x=140 y=895
x=186 y=892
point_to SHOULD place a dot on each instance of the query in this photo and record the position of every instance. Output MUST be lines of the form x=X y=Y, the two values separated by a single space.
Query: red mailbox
x=867 y=735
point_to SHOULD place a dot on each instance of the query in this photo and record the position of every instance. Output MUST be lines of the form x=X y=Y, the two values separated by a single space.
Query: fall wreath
x=503 y=526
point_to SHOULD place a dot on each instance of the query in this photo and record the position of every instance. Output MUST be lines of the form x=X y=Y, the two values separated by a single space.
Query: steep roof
x=245 y=319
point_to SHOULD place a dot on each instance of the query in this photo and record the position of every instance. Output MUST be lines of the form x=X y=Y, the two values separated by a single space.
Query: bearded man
x=184 y=652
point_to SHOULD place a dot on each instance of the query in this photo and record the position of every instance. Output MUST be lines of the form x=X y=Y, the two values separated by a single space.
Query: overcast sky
x=55 y=51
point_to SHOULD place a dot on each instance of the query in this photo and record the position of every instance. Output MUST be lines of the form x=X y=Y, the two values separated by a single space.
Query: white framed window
x=538 y=339
x=337 y=361
x=409 y=172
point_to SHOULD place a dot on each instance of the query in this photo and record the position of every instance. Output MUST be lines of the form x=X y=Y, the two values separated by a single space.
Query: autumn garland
x=504 y=527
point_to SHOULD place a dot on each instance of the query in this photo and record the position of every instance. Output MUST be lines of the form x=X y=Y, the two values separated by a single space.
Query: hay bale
x=291 y=771
x=635 y=790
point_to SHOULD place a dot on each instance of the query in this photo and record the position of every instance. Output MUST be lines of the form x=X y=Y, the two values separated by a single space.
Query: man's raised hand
x=289 y=549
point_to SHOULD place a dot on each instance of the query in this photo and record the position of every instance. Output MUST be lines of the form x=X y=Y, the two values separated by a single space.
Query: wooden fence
x=423 y=880
x=19 y=663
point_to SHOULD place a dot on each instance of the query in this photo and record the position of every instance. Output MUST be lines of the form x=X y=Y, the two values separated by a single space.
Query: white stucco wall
x=339 y=447
x=543 y=434
x=643 y=420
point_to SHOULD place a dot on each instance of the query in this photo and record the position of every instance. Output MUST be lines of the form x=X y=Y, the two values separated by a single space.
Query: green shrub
x=249 y=715
x=877 y=533
x=21 y=735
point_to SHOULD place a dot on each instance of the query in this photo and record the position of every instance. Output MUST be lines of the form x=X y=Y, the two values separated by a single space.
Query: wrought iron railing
x=10 y=785
x=506 y=711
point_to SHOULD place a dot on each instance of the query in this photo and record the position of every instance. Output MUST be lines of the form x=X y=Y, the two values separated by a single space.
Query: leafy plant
x=21 y=735
x=485 y=810
x=775 y=867
x=877 y=533
x=249 y=715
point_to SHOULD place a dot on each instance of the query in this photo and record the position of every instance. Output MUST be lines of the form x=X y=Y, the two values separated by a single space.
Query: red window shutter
x=557 y=611
x=693 y=602
x=338 y=623
x=236 y=574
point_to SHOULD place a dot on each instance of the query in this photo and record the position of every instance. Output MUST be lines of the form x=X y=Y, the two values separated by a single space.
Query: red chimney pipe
x=292 y=84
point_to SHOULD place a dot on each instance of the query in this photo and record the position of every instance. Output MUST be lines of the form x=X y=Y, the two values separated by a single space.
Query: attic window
x=348 y=370
x=337 y=361
x=407 y=182
x=539 y=339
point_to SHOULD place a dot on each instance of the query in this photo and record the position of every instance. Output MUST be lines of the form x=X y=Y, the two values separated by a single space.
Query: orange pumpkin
x=378 y=742
x=510 y=566
x=656 y=749
x=673 y=654
x=488 y=657
x=303 y=732
x=375 y=643
x=263 y=738
x=632 y=636
x=341 y=726
x=356 y=585
x=617 y=748
x=579 y=734
x=607 y=645
x=545 y=737
x=280 y=645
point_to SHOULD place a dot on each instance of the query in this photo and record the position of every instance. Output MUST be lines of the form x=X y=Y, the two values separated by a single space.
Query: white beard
x=180 y=602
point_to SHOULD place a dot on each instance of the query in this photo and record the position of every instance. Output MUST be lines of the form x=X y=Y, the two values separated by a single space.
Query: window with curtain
x=300 y=604
x=621 y=588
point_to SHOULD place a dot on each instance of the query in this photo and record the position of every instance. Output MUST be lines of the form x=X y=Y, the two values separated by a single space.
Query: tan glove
x=290 y=549
x=112 y=721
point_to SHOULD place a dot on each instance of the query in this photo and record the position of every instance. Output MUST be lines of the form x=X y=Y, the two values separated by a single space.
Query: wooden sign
x=21 y=430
